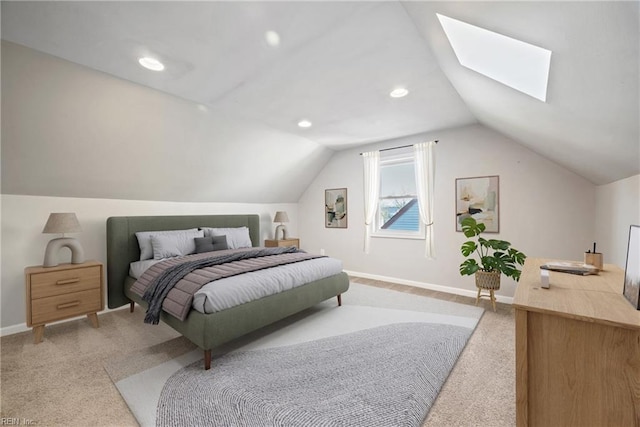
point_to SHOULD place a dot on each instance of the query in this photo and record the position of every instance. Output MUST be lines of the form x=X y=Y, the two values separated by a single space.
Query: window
x=398 y=211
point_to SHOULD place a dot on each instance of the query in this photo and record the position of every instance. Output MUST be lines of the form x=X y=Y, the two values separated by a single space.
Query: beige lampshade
x=281 y=216
x=62 y=223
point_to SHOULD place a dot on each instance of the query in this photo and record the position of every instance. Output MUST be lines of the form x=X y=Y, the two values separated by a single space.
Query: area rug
x=379 y=360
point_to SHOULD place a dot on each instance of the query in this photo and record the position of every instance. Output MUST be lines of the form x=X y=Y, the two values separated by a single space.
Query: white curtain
x=371 y=192
x=425 y=165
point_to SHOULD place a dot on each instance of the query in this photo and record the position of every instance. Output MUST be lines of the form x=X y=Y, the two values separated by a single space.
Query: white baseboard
x=22 y=327
x=13 y=329
x=457 y=291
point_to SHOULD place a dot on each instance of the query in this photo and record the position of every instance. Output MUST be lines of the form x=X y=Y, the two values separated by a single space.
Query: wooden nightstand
x=292 y=241
x=61 y=292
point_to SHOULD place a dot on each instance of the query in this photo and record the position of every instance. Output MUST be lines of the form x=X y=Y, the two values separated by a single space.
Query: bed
x=213 y=329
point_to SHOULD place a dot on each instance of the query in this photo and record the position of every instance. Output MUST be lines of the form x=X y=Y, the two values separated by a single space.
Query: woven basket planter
x=488 y=279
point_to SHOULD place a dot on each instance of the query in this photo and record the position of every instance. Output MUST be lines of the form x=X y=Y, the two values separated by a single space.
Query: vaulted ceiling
x=337 y=62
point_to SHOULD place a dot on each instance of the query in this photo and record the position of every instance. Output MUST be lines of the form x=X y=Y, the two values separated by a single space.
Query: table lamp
x=281 y=217
x=62 y=223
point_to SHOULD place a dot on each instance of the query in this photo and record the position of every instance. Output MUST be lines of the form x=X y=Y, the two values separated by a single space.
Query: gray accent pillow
x=237 y=237
x=210 y=244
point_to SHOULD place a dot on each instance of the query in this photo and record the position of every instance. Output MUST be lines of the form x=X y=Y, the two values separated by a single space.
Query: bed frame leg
x=207 y=360
x=340 y=300
x=132 y=306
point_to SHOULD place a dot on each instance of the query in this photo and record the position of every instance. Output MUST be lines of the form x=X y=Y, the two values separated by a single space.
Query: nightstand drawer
x=47 y=284
x=45 y=310
x=269 y=243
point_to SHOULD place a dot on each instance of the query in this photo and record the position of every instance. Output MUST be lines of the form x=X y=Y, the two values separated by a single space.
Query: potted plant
x=494 y=257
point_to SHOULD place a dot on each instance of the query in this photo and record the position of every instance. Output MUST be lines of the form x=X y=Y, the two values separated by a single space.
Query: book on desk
x=569 y=267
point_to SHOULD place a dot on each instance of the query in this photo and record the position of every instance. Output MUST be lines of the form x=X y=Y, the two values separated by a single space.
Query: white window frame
x=406 y=158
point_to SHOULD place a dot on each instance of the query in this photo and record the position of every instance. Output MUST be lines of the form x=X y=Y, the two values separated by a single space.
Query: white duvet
x=231 y=291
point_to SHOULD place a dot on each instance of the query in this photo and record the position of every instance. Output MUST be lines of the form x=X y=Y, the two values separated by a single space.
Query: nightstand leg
x=339 y=300
x=38 y=332
x=94 y=319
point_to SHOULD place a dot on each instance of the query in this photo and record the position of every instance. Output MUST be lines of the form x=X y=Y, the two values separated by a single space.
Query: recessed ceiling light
x=304 y=123
x=151 y=63
x=272 y=38
x=399 y=92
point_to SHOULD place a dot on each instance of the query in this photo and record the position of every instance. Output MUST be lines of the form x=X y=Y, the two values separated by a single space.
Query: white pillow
x=137 y=268
x=237 y=237
x=176 y=244
x=144 y=240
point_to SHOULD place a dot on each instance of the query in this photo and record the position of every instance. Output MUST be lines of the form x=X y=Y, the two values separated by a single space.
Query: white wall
x=23 y=243
x=617 y=207
x=545 y=210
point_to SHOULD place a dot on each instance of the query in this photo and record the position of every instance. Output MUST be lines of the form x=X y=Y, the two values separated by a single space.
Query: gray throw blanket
x=163 y=283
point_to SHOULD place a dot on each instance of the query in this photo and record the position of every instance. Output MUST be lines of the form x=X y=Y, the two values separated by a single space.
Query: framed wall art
x=479 y=197
x=335 y=208
x=632 y=268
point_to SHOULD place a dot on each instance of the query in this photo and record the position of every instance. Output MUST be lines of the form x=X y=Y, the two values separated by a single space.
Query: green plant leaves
x=469 y=267
x=494 y=244
x=517 y=256
x=489 y=263
x=471 y=228
x=494 y=254
x=468 y=248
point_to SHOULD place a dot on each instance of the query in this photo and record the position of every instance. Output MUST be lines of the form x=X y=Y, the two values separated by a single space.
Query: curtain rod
x=397 y=148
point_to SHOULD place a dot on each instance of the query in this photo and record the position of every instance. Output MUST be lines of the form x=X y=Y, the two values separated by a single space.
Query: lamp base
x=281 y=228
x=54 y=245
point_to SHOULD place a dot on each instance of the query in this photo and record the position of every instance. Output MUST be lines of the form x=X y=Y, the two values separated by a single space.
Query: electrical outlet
x=321 y=251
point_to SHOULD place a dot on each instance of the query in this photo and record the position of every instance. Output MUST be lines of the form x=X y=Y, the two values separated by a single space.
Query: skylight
x=519 y=65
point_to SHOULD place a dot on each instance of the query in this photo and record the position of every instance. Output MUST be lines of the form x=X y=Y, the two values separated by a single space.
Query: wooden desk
x=577 y=350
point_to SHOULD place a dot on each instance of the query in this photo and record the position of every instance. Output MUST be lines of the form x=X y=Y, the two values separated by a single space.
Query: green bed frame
x=207 y=330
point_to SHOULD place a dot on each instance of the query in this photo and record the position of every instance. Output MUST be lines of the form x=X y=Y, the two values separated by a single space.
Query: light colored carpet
x=61 y=382
x=365 y=309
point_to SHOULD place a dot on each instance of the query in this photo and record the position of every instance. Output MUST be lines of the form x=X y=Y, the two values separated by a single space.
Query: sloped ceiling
x=589 y=123
x=335 y=65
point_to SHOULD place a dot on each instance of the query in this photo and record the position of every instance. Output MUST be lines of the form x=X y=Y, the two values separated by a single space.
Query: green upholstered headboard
x=123 y=249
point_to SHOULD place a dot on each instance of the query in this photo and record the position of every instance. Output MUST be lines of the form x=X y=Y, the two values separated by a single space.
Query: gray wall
x=617 y=207
x=545 y=210
x=71 y=131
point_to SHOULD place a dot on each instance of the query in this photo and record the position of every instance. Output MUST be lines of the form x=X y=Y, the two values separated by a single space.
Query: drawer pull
x=68 y=305
x=68 y=281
